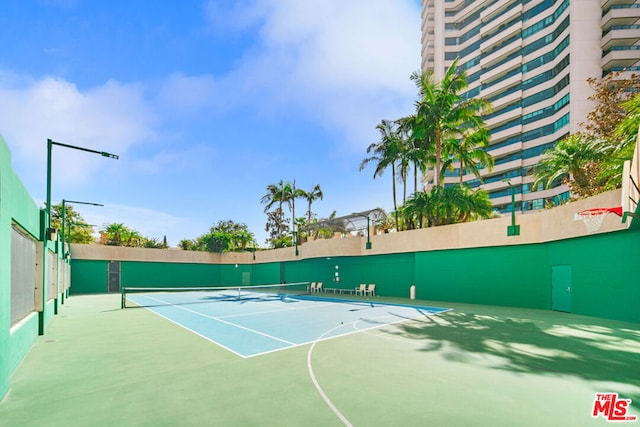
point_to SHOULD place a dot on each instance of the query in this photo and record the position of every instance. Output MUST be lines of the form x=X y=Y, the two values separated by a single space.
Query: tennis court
x=254 y=320
x=474 y=365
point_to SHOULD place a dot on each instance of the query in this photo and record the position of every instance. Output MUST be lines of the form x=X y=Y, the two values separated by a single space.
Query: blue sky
x=205 y=102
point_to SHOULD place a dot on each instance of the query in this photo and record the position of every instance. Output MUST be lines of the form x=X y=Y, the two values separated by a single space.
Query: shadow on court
x=473 y=366
x=546 y=343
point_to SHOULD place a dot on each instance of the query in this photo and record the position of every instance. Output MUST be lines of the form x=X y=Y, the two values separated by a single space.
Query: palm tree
x=414 y=152
x=627 y=129
x=241 y=237
x=290 y=194
x=310 y=197
x=454 y=204
x=442 y=113
x=569 y=157
x=280 y=193
x=624 y=143
x=133 y=238
x=470 y=152
x=115 y=233
x=386 y=153
x=416 y=209
x=276 y=193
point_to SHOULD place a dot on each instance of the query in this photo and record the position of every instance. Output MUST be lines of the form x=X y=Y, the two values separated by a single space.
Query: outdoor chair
x=371 y=290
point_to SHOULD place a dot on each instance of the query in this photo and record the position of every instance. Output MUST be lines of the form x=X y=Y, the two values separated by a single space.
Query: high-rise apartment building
x=531 y=59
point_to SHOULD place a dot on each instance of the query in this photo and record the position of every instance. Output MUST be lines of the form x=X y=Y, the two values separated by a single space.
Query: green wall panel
x=515 y=276
x=16 y=206
x=158 y=274
x=21 y=340
x=231 y=275
x=265 y=274
x=88 y=277
x=308 y=270
x=605 y=269
x=392 y=273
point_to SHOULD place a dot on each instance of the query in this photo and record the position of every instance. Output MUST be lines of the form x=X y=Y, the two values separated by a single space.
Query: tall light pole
x=64 y=212
x=368 y=245
x=513 y=229
x=47 y=222
x=50 y=145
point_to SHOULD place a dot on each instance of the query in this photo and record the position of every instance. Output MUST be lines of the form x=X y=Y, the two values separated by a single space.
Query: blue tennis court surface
x=263 y=323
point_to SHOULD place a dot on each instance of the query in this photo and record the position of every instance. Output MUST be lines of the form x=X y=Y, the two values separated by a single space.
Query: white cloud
x=344 y=64
x=223 y=16
x=180 y=158
x=185 y=95
x=111 y=117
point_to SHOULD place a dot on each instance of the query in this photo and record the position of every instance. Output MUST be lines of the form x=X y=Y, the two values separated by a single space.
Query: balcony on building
x=500 y=53
x=621 y=57
x=499 y=87
x=504 y=13
x=499 y=150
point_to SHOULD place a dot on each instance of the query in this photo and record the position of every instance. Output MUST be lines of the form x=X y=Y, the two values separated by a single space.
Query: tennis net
x=155 y=296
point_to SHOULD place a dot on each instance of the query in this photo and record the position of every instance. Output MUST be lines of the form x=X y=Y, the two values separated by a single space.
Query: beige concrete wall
x=536 y=227
x=117 y=253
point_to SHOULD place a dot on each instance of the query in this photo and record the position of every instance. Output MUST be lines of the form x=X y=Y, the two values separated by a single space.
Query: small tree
x=217 y=241
x=610 y=94
x=79 y=233
x=277 y=226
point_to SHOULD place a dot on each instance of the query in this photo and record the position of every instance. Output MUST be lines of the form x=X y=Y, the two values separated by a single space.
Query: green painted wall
x=504 y=275
x=22 y=339
x=88 y=277
x=158 y=274
x=15 y=206
x=265 y=274
x=603 y=268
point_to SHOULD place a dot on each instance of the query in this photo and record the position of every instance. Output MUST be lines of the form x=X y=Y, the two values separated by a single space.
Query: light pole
x=47 y=223
x=50 y=145
x=368 y=245
x=64 y=211
x=513 y=229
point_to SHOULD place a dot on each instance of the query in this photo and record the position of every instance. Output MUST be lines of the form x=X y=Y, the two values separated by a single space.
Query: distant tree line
x=226 y=236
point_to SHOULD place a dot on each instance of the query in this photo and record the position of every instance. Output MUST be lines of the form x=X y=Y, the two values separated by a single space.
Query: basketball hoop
x=593 y=218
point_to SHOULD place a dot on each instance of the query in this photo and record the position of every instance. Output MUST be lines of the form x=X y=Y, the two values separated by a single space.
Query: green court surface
x=473 y=366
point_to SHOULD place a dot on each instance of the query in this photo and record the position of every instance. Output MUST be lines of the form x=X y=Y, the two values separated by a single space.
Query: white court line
x=316 y=384
x=224 y=321
x=321 y=304
x=199 y=334
x=288 y=343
